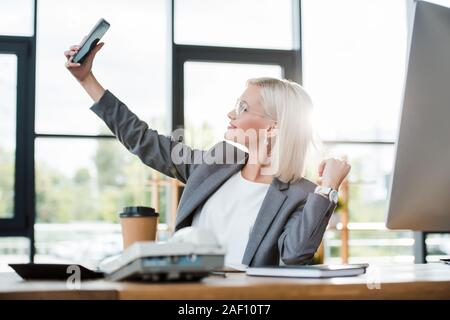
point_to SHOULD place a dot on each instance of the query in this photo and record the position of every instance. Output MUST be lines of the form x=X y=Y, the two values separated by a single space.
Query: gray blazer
x=292 y=219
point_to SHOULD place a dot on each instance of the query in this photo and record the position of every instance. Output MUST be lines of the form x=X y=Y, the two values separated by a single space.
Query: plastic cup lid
x=138 y=212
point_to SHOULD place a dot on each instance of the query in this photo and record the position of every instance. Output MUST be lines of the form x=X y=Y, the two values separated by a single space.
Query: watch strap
x=330 y=193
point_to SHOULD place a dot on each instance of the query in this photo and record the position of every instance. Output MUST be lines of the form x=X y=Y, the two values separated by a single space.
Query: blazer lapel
x=271 y=205
x=205 y=189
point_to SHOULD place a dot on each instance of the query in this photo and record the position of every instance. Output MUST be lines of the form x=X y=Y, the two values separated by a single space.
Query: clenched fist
x=332 y=172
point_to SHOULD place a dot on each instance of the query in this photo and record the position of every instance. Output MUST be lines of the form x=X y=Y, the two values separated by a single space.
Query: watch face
x=334 y=196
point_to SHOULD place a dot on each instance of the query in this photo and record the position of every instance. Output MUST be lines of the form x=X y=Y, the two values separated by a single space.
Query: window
x=13 y=250
x=84 y=177
x=80 y=193
x=250 y=50
x=8 y=91
x=17 y=18
x=438 y=246
x=210 y=92
x=92 y=180
x=250 y=24
x=136 y=71
x=15 y=129
x=354 y=63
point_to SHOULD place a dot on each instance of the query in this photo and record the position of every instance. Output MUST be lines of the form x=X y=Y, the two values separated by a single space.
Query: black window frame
x=23 y=215
x=289 y=60
x=23 y=220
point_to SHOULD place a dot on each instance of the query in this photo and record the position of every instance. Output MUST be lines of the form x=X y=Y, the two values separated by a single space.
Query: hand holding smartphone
x=80 y=59
x=91 y=40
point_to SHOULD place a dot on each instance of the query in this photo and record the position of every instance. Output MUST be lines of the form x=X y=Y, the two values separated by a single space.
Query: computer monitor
x=420 y=190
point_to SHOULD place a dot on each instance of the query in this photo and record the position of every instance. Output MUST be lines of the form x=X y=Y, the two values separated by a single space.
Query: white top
x=230 y=213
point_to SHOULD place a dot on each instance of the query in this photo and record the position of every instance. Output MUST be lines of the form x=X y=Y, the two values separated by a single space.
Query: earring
x=266 y=140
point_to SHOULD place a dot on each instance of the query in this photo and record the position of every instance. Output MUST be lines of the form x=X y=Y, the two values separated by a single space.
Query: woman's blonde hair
x=290 y=106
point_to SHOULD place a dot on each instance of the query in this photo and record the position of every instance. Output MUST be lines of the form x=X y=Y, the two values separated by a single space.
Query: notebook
x=312 y=271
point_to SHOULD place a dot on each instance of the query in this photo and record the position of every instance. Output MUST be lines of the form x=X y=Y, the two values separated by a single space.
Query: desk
x=407 y=281
x=14 y=287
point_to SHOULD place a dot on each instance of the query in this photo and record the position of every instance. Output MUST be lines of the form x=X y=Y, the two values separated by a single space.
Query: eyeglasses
x=241 y=106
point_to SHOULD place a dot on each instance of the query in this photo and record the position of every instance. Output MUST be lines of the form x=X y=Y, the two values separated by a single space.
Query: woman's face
x=245 y=128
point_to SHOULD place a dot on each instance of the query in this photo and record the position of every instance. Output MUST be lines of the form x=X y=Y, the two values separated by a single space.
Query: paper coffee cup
x=138 y=224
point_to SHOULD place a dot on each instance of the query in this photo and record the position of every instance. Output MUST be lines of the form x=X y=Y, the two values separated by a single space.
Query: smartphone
x=91 y=40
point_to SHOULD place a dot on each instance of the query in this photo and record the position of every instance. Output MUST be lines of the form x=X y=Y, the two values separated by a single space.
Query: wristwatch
x=331 y=194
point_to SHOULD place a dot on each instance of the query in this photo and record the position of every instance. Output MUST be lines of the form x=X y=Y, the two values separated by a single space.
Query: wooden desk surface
x=14 y=287
x=404 y=281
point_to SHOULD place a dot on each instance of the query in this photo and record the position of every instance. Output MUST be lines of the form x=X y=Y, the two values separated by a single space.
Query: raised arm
x=159 y=152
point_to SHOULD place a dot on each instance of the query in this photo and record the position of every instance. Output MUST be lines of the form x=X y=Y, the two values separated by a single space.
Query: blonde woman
x=257 y=203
